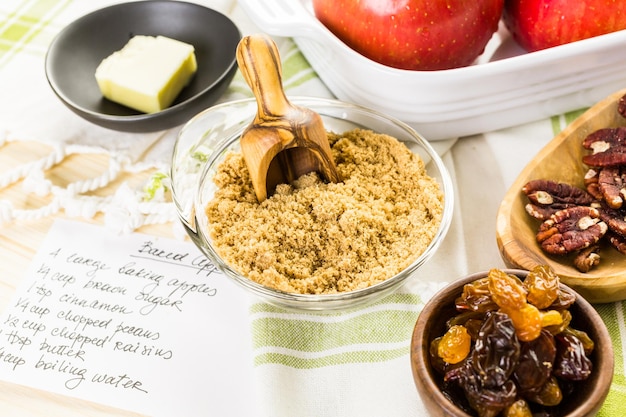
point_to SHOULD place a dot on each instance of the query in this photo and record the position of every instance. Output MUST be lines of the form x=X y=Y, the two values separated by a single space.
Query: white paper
x=136 y=322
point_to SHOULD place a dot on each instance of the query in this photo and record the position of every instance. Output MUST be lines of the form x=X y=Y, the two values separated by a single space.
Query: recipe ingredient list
x=137 y=322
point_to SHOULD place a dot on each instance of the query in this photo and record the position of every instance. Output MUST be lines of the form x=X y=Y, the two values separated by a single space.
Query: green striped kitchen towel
x=352 y=363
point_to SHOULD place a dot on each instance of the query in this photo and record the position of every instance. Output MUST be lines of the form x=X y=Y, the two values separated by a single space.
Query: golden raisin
x=454 y=345
x=551 y=318
x=542 y=285
x=507 y=291
x=519 y=408
x=549 y=395
x=527 y=322
x=476 y=297
x=588 y=344
x=566 y=318
x=435 y=360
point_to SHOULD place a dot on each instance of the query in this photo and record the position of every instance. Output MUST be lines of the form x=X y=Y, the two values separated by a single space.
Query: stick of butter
x=147 y=73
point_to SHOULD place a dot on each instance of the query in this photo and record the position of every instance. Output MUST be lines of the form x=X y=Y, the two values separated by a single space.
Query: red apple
x=541 y=24
x=413 y=34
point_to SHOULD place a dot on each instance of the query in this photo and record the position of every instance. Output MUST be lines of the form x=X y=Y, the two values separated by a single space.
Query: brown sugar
x=313 y=237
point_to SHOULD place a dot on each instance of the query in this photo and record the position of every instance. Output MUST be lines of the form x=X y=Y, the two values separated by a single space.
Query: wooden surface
x=18 y=244
x=560 y=160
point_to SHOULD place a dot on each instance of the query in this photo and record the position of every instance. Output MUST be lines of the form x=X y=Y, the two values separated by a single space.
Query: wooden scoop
x=284 y=141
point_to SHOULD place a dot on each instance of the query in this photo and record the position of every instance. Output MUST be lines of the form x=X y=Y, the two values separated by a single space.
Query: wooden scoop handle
x=259 y=62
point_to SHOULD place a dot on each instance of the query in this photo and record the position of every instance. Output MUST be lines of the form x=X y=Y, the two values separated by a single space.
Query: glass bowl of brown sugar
x=314 y=245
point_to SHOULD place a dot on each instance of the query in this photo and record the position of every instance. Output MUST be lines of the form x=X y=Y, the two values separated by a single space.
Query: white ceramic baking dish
x=505 y=86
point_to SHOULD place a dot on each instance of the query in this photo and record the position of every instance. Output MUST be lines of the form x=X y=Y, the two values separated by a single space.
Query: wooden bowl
x=587 y=398
x=560 y=160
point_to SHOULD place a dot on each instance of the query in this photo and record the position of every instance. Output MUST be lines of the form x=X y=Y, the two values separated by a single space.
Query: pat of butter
x=148 y=73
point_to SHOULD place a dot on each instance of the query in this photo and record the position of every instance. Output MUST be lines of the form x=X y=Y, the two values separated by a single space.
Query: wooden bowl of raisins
x=567 y=208
x=511 y=343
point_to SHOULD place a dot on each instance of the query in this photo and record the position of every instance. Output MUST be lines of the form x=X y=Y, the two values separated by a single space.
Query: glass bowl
x=205 y=139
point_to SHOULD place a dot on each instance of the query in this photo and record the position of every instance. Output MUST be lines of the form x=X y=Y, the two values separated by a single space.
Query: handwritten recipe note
x=136 y=322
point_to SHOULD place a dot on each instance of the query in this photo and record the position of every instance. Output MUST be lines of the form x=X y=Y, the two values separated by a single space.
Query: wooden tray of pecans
x=561 y=160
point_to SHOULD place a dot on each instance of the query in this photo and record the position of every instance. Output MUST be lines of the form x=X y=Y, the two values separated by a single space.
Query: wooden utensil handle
x=259 y=62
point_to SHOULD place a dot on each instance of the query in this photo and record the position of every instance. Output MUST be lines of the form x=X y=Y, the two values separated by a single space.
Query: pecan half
x=602 y=139
x=610 y=157
x=556 y=194
x=615 y=219
x=587 y=258
x=608 y=146
x=591 y=183
x=612 y=185
x=617 y=241
x=540 y=212
x=570 y=230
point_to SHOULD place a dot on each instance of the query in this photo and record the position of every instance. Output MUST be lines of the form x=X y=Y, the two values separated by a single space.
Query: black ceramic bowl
x=77 y=51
